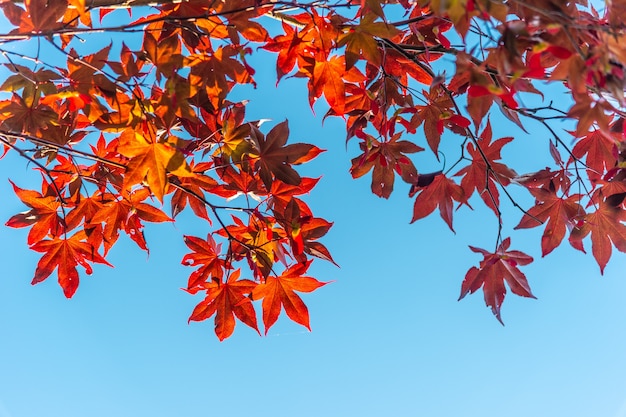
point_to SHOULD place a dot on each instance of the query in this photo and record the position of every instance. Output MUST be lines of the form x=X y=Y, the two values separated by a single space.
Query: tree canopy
x=149 y=120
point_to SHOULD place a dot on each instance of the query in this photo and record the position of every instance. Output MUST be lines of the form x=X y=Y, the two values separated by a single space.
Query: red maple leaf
x=439 y=104
x=303 y=230
x=229 y=300
x=290 y=47
x=482 y=175
x=494 y=270
x=606 y=227
x=278 y=292
x=560 y=214
x=387 y=159
x=546 y=178
x=282 y=193
x=435 y=191
x=601 y=153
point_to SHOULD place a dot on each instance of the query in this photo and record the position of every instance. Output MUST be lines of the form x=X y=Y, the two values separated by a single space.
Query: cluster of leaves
x=117 y=132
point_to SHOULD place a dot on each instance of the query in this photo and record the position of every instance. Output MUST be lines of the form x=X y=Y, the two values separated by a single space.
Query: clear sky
x=388 y=339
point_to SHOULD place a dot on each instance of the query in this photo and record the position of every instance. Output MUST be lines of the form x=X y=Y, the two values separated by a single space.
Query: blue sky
x=389 y=337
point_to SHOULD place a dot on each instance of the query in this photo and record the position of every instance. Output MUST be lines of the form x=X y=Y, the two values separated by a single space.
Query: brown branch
x=115 y=4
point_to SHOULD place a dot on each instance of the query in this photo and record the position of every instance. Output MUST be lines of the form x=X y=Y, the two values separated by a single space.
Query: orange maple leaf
x=20 y=116
x=327 y=77
x=127 y=214
x=257 y=241
x=206 y=254
x=227 y=299
x=193 y=186
x=152 y=160
x=290 y=47
x=64 y=254
x=43 y=215
x=163 y=52
x=278 y=292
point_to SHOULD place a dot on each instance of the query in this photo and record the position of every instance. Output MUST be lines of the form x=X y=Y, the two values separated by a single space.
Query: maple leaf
x=43 y=215
x=234 y=141
x=190 y=187
x=217 y=71
x=229 y=300
x=588 y=113
x=290 y=47
x=600 y=152
x=43 y=15
x=279 y=292
x=360 y=40
x=163 y=52
x=206 y=253
x=274 y=157
x=64 y=254
x=494 y=270
x=439 y=103
x=237 y=183
x=559 y=213
x=126 y=214
x=303 y=229
x=398 y=65
x=606 y=227
x=257 y=241
x=545 y=178
x=435 y=190
x=129 y=66
x=85 y=210
x=151 y=160
x=20 y=116
x=484 y=176
x=386 y=158
x=104 y=173
x=328 y=77
x=67 y=176
x=30 y=82
x=281 y=193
